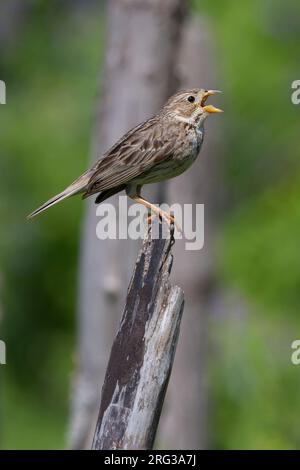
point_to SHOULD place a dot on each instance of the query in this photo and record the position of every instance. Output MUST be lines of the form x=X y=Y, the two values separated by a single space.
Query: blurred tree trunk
x=138 y=77
x=187 y=401
x=12 y=15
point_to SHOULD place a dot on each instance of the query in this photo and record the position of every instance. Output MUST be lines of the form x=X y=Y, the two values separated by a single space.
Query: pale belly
x=168 y=170
x=175 y=166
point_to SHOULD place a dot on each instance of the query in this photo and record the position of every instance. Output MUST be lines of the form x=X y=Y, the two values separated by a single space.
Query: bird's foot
x=168 y=218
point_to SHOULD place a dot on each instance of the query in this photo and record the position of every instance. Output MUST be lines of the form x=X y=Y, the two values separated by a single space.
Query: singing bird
x=160 y=148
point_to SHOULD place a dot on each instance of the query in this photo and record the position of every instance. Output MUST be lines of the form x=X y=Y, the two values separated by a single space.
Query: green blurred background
x=51 y=66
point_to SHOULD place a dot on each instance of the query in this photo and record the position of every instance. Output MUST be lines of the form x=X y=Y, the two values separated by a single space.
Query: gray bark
x=142 y=354
x=187 y=403
x=138 y=77
x=12 y=16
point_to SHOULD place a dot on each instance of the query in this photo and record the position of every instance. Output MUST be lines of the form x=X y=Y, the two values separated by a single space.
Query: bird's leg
x=151 y=217
x=136 y=192
x=168 y=218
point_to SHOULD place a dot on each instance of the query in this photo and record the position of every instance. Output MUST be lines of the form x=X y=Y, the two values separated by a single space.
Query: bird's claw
x=168 y=218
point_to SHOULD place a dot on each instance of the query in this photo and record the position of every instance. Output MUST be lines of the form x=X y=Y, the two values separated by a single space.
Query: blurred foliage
x=52 y=76
x=256 y=405
x=52 y=71
x=254 y=383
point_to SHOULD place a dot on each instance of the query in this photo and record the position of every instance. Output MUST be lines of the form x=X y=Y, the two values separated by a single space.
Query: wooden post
x=142 y=353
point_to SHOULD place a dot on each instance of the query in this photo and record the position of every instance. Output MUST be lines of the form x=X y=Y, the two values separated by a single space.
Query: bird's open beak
x=210 y=108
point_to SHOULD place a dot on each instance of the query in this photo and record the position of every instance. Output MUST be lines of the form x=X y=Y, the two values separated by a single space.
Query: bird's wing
x=142 y=147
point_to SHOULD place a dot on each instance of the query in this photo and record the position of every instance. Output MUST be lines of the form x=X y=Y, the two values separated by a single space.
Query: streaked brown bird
x=158 y=149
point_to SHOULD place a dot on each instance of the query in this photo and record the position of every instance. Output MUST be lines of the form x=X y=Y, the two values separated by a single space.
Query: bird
x=158 y=149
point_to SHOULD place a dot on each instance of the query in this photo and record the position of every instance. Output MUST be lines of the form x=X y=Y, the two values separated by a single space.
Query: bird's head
x=190 y=106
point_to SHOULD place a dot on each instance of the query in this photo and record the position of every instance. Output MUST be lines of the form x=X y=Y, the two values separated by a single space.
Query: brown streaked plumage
x=160 y=148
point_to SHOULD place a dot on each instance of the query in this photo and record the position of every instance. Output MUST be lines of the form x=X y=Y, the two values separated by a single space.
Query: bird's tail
x=77 y=187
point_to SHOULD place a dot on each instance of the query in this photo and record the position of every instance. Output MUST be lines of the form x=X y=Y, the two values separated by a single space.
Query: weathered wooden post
x=142 y=353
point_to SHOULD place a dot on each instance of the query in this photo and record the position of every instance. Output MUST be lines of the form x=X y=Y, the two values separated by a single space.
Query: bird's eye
x=191 y=99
